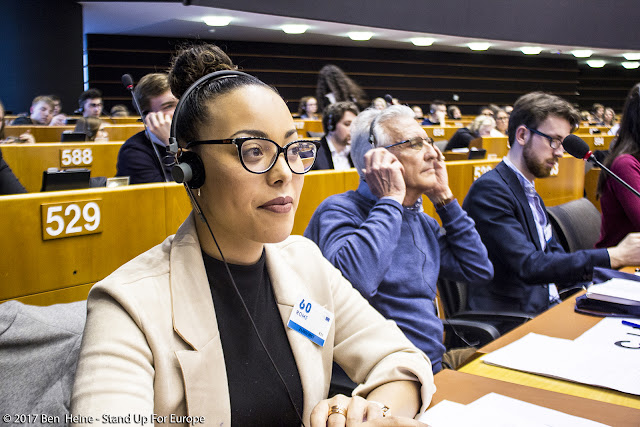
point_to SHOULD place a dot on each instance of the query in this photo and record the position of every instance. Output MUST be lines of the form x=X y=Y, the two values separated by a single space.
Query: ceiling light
x=596 y=63
x=582 y=53
x=360 y=35
x=479 y=46
x=294 y=28
x=631 y=65
x=217 y=21
x=422 y=41
x=631 y=56
x=530 y=50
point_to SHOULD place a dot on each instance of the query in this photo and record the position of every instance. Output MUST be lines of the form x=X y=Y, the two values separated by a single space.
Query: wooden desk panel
x=598 y=141
x=591 y=186
x=318 y=185
x=305 y=126
x=28 y=161
x=131 y=225
x=498 y=146
x=465 y=388
x=440 y=133
x=53 y=133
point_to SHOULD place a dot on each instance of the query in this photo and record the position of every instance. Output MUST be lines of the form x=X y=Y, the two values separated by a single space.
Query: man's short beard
x=539 y=170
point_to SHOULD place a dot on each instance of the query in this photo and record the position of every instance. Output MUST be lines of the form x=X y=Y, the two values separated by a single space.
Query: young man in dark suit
x=513 y=223
x=335 y=144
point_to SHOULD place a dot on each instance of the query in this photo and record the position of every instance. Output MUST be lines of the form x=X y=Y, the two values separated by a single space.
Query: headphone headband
x=173 y=142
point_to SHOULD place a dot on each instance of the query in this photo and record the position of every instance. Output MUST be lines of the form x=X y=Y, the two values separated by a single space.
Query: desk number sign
x=478 y=171
x=71 y=219
x=74 y=157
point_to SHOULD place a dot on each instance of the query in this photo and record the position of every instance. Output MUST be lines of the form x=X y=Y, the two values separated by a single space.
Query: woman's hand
x=340 y=411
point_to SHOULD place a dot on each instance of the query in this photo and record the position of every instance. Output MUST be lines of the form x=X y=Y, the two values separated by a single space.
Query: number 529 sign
x=70 y=219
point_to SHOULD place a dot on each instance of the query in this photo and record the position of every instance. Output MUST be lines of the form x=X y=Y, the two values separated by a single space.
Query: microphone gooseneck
x=576 y=146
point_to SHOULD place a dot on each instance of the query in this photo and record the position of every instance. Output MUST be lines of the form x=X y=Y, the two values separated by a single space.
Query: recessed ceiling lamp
x=422 y=41
x=479 y=46
x=584 y=53
x=596 y=63
x=530 y=50
x=360 y=35
x=631 y=56
x=217 y=21
x=294 y=28
x=631 y=65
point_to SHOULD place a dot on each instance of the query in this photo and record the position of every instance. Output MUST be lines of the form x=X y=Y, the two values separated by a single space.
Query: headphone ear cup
x=330 y=125
x=189 y=169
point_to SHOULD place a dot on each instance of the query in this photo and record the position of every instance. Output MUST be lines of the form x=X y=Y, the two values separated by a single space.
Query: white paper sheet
x=600 y=358
x=495 y=410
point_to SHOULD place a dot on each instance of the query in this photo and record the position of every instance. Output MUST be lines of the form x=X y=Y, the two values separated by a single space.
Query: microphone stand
x=590 y=157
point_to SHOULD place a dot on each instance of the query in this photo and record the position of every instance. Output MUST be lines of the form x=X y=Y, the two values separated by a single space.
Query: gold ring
x=335 y=409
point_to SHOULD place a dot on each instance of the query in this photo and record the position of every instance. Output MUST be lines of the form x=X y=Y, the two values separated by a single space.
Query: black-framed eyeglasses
x=555 y=143
x=258 y=155
x=416 y=143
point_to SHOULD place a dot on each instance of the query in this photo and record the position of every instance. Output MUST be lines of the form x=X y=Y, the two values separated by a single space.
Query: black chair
x=576 y=224
x=472 y=328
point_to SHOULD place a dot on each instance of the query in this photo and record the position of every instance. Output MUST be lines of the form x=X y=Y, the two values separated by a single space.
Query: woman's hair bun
x=194 y=62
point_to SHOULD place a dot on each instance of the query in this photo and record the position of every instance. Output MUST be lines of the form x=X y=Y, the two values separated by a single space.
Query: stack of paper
x=619 y=291
x=495 y=410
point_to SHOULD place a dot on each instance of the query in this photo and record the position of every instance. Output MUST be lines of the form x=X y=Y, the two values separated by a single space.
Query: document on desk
x=607 y=355
x=496 y=410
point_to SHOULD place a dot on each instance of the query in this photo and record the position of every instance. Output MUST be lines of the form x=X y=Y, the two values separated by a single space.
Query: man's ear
x=522 y=135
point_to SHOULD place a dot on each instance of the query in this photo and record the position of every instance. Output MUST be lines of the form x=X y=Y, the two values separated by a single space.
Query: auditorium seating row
x=57 y=244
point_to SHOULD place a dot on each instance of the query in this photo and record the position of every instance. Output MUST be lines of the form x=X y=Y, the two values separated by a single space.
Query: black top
x=460 y=139
x=138 y=160
x=9 y=184
x=23 y=120
x=257 y=394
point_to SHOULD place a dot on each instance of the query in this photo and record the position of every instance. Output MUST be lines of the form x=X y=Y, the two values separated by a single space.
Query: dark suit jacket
x=9 y=184
x=138 y=161
x=522 y=270
x=323 y=158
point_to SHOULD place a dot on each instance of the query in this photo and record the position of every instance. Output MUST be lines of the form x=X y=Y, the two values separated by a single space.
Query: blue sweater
x=394 y=255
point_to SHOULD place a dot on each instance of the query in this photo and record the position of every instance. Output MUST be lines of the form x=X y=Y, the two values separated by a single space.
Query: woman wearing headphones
x=233 y=321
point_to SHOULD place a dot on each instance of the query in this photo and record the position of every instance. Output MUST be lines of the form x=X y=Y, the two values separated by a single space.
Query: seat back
x=453 y=296
x=576 y=224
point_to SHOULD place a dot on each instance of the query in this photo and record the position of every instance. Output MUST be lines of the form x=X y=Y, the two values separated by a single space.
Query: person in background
x=620 y=207
x=417 y=111
x=41 y=114
x=308 y=108
x=453 y=112
x=585 y=116
x=143 y=157
x=334 y=149
x=437 y=114
x=508 y=109
x=609 y=117
x=59 y=118
x=381 y=240
x=502 y=122
x=335 y=86
x=481 y=126
x=597 y=114
x=119 y=110
x=93 y=128
x=379 y=104
x=170 y=331
x=90 y=102
x=530 y=265
x=9 y=183
x=486 y=111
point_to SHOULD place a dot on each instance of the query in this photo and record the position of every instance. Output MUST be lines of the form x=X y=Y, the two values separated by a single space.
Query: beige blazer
x=151 y=343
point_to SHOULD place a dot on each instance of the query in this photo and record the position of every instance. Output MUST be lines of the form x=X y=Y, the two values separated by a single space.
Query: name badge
x=548 y=233
x=311 y=320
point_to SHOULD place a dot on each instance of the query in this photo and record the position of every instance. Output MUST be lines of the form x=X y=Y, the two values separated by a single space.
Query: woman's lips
x=279 y=205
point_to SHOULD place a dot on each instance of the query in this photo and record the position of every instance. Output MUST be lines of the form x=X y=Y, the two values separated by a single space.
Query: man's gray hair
x=361 y=129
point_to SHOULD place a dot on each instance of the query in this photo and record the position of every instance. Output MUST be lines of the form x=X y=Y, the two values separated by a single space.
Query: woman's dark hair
x=628 y=139
x=189 y=65
x=331 y=79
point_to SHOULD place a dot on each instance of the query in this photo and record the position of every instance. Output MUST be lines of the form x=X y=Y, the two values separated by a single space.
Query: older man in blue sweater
x=379 y=236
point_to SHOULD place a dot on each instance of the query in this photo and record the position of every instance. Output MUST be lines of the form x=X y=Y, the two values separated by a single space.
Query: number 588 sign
x=71 y=219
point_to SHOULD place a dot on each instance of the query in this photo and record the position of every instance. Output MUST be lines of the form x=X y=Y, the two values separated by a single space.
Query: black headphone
x=331 y=126
x=189 y=169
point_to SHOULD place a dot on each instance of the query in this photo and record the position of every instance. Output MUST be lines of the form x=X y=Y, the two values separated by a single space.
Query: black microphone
x=389 y=99
x=576 y=146
x=127 y=81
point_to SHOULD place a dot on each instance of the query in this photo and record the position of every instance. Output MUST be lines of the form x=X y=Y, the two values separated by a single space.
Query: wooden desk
x=303 y=126
x=440 y=133
x=465 y=388
x=28 y=161
x=592 y=130
x=53 y=133
x=560 y=321
x=598 y=142
x=497 y=145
